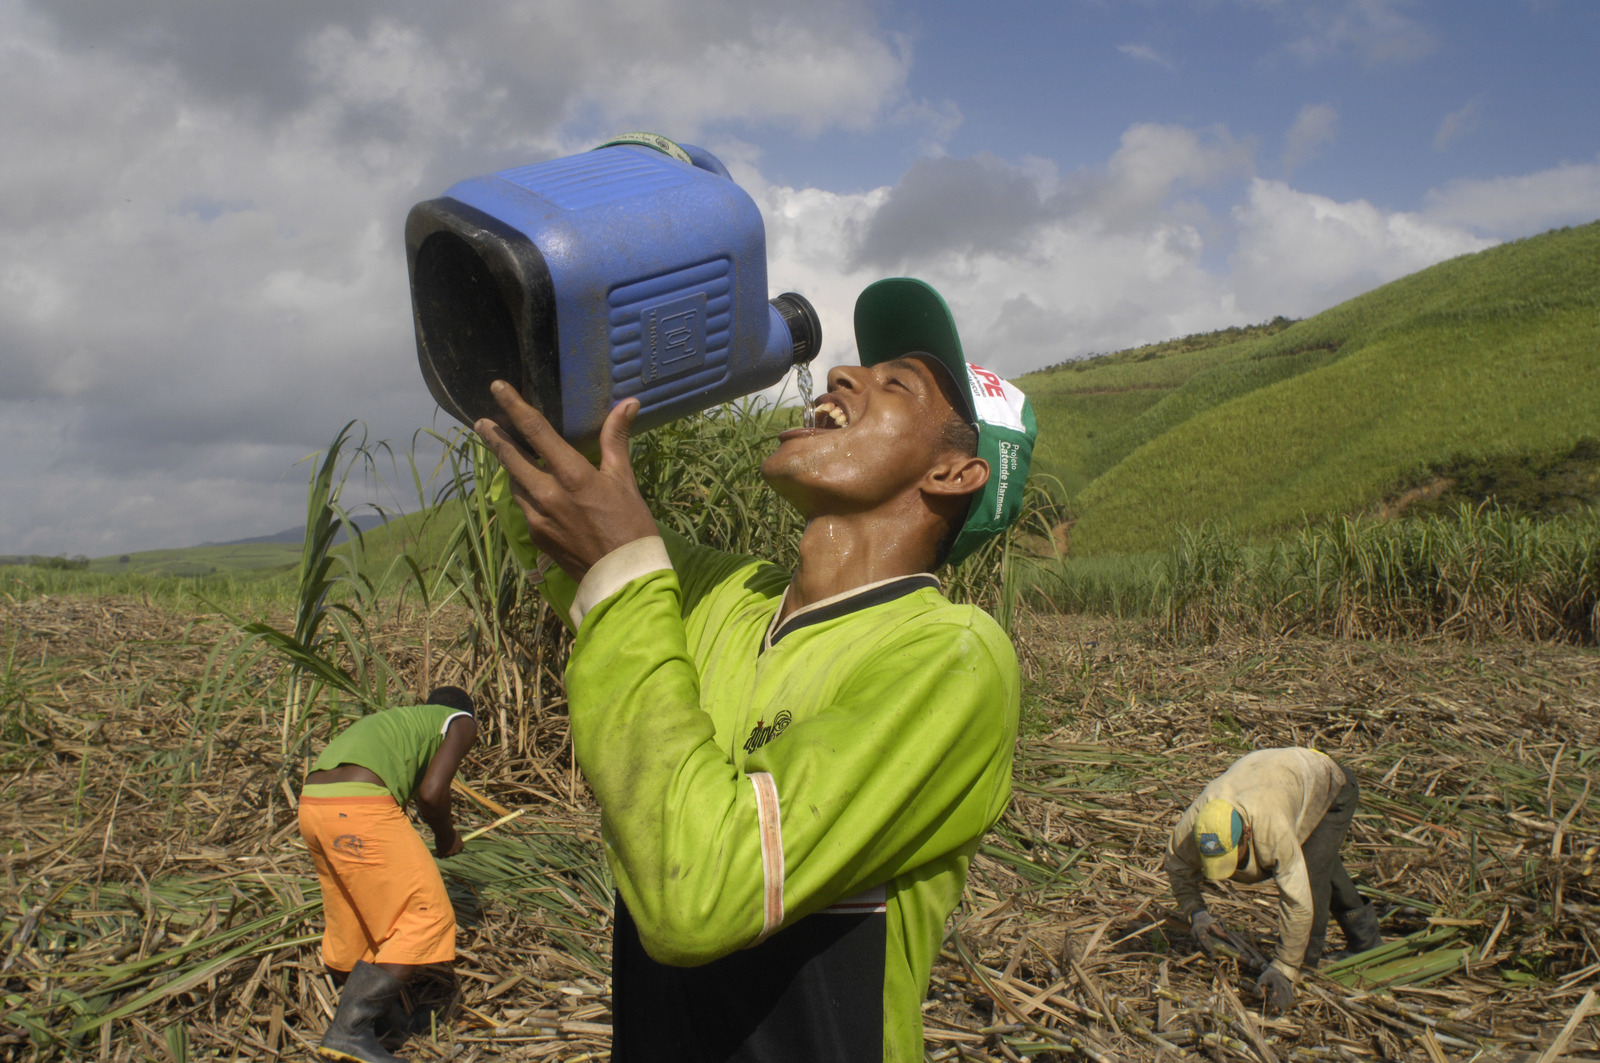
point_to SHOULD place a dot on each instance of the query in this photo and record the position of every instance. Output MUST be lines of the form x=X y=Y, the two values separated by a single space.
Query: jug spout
x=795 y=334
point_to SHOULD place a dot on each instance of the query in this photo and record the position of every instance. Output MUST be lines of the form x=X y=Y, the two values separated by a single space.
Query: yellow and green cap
x=1217 y=833
x=900 y=316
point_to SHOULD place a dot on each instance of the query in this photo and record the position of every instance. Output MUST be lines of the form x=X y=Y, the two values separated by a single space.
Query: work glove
x=1277 y=992
x=1207 y=930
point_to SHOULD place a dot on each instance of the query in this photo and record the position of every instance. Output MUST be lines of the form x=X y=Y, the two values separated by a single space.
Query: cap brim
x=901 y=315
x=1216 y=868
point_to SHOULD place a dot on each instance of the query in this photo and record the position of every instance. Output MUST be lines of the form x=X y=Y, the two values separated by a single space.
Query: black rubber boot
x=1360 y=926
x=401 y=1021
x=1313 y=955
x=351 y=1037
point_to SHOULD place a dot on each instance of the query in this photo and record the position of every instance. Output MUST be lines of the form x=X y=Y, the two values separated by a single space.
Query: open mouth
x=828 y=414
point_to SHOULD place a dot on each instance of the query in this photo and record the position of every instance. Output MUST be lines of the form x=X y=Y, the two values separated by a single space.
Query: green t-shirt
x=756 y=780
x=396 y=744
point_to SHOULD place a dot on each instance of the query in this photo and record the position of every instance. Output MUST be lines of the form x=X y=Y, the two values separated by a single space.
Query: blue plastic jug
x=636 y=269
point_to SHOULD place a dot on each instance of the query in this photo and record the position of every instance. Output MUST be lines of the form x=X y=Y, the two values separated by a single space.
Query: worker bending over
x=387 y=912
x=1278 y=813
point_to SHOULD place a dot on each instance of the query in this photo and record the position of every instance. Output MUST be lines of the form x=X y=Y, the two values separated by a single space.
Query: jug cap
x=650 y=140
x=902 y=315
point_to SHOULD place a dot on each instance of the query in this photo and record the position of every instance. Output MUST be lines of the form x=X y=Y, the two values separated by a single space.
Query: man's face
x=878 y=432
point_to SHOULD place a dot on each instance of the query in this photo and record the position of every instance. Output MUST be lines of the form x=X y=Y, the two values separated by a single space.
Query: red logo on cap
x=991 y=383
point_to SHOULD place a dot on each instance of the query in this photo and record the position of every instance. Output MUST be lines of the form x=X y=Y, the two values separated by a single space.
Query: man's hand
x=576 y=513
x=1277 y=992
x=448 y=846
x=1207 y=930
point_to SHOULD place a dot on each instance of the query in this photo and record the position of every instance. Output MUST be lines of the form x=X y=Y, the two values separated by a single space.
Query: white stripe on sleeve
x=771 y=827
x=452 y=718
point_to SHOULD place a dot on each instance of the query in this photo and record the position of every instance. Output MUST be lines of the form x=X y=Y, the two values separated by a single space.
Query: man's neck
x=840 y=553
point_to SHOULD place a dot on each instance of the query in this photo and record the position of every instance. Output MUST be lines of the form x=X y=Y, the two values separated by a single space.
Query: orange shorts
x=381 y=891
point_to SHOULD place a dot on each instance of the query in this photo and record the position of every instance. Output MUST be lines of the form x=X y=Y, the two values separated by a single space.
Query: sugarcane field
x=1230 y=782
x=740 y=531
x=159 y=902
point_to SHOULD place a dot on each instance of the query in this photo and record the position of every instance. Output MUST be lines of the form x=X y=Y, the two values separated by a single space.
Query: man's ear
x=957 y=474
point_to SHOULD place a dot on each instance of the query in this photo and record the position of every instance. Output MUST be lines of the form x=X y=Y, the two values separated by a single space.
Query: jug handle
x=688 y=154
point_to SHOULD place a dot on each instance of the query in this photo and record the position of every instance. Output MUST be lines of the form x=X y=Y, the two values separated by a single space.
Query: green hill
x=203 y=560
x=266 y=556
x=259 y=555
x=1488 y=358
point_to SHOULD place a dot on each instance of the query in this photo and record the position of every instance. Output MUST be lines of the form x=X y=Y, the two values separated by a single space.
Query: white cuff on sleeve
x=616 y=570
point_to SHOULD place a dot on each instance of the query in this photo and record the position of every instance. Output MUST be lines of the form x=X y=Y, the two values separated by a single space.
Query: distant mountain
x=297 y=535
x=288 y=535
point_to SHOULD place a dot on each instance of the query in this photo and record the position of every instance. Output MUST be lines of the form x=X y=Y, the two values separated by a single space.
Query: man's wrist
x=616 y=570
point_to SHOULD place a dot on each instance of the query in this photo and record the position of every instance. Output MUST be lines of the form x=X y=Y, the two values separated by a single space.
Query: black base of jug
x=484 y=309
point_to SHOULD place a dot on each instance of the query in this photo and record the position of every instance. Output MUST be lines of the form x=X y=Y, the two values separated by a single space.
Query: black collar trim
x=878 y=594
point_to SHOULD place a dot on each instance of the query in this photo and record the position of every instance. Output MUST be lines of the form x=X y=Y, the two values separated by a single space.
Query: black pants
x=811 y=992
x=1331 y=888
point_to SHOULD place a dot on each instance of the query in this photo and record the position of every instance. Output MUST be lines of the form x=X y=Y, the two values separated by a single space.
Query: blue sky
x=1063 y=80
x=201 y=204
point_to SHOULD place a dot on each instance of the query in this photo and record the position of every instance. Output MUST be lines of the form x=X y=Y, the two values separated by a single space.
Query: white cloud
x=1299 y=253
x=1316 y=125
x=1072 y=287
x=1456 y=124
x=782 y=70
x=1377 y=31
x=395 y=72
x=68 y=505
x=1153 y=162
x=1146 y=54
x=1037 y=266
x=1517 y=206
x=938 y=121
x=1114 y=256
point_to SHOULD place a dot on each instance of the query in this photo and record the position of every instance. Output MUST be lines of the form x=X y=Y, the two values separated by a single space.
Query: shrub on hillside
x=1479 y=572
x=60 y=562
x=1532 y=485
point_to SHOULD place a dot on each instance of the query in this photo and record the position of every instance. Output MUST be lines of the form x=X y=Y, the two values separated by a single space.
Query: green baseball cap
x=899 y=316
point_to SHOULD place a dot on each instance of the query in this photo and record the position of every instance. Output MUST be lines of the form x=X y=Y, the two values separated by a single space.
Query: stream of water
x=802 y=383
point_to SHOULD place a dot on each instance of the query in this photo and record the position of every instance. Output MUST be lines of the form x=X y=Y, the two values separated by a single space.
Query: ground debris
x=157 y=902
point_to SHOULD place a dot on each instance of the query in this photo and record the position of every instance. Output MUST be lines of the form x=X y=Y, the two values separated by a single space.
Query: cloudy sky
x=201 y=203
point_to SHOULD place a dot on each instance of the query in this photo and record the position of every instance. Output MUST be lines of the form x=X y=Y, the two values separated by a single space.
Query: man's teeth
x=833 y=413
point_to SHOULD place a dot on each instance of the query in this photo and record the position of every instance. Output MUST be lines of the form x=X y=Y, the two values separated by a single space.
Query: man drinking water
x=793 y=769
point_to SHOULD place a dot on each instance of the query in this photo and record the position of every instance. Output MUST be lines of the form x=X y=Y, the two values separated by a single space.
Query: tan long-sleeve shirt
x=1281 y=794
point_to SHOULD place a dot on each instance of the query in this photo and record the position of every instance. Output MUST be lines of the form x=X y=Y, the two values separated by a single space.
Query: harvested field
x=158 y=903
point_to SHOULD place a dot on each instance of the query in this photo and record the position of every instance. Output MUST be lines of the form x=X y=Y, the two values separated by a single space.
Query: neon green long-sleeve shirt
x=759 y=781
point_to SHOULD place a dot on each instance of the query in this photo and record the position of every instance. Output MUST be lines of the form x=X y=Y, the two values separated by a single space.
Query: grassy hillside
x=203 y=560
x=1488 y=357
x=1083 y=405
